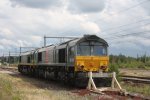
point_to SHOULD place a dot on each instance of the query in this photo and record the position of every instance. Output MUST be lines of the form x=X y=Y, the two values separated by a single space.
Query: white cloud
x=36 y=38
x=86 y=6
x=147 y=27
x=90 y=27
x=145 y=5
x=23 y=43
x=26 y=22
x=37 y=3
x=6 y=42
x=1 y=47
x=5 y=32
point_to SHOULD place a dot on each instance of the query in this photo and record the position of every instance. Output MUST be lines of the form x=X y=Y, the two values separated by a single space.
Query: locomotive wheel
x=37 y=73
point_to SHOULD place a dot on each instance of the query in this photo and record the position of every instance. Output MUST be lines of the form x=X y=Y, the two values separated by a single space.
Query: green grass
x=137 y=88
x=7 y=91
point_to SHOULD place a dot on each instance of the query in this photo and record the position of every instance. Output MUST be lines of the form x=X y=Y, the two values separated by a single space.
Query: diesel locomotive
x=68 y=62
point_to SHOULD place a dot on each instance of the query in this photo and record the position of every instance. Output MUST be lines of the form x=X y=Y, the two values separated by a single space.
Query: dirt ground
x=38 y=89
x=135 y=72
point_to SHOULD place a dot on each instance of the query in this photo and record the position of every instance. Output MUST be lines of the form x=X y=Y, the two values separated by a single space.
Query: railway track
x=6 y=68
x=125 y=78
x=136 y=79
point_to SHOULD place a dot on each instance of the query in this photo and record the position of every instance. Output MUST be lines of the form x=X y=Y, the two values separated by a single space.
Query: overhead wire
x=139 y=21
x=121 y=40
x=144 y=1
x=131 y=28
x=124 y=10
x=119 y=12
x=129 y=34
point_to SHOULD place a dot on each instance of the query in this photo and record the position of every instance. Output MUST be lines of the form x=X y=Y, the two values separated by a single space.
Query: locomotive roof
x=72 y=42
x=27 y=52
x=44 y=48
x=75 y=41
x=85 y=38
x=94 y=38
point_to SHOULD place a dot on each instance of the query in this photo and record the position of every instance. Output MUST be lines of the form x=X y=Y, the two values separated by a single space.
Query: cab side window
x=39 y=56
x=71 y=54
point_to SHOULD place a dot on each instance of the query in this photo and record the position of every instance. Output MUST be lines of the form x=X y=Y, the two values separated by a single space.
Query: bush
x=147 y=64
x=142 y=66
x=114 y=68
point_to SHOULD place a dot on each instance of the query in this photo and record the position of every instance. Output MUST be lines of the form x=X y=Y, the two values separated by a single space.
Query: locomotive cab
x=91 y=55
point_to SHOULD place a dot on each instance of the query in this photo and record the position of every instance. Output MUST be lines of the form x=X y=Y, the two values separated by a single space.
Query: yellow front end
x=91 y=63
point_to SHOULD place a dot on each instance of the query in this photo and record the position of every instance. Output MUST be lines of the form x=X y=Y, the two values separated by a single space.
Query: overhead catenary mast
x=59 y=37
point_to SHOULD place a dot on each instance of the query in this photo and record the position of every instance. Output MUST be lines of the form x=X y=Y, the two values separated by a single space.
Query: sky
x=124 y=24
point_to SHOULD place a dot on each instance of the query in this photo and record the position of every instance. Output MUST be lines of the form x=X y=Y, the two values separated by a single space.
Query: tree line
x=123 y=61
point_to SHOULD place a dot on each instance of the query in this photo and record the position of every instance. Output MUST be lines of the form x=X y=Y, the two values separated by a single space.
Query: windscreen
x=91 y=48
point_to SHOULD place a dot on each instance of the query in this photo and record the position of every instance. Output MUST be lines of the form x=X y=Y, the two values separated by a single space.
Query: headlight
x=103 y=67
x=80 y=67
